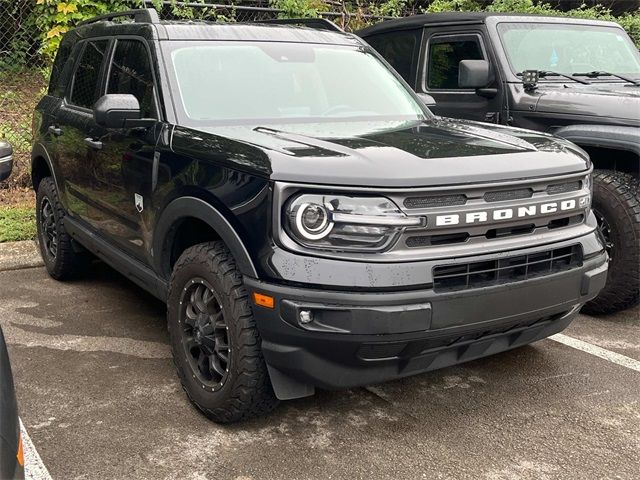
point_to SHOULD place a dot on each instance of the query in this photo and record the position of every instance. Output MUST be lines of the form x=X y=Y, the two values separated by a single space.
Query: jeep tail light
x=345 y=223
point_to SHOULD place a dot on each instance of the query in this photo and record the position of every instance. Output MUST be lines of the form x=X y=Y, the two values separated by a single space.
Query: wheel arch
x=41 y=166
x=196 y=211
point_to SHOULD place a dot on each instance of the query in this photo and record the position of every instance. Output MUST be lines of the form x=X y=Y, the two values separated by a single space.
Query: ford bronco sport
x=309 y=223
x=574 y=78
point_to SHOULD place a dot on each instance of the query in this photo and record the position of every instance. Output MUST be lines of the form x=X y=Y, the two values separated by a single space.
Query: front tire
x=616 y=204
x=56 y=245
x=215 y=343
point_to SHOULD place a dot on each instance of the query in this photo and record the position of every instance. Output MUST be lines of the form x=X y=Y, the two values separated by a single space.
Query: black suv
x=574 y=78
x=307 y=220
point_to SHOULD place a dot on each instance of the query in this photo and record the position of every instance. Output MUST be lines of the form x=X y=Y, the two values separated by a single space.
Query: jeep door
x=120 y=161
x=443 y=51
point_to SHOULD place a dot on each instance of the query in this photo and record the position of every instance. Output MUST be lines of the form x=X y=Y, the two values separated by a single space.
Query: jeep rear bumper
x=362 y=338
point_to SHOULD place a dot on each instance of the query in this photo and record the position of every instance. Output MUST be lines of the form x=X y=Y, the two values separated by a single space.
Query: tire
x=209 y=319
x=616 y=200
x=56 y=245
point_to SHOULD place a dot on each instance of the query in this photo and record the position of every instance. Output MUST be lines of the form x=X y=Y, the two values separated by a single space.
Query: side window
x=131 y=73
x=445 y=55
x=398 y=49
x=60 y=65
x=84 y=89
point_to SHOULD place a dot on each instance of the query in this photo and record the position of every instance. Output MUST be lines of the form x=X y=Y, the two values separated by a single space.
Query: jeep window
x=242 y=82
x=568 y=49
x=397 y=48
x=131 y=73
x=84 y=89
x=445 y=54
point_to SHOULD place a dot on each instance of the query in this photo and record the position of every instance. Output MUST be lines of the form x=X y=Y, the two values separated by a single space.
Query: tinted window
x=131 y=73
x=397 y=49
x=444 y=58
x=61 y=61
x=84 y=91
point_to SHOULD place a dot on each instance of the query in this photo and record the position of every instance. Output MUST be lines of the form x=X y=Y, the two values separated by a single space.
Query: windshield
x=264 y=83
x=569 y=49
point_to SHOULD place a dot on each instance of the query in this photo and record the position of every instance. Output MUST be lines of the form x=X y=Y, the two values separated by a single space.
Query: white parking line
x=34 y=469
x=597 y=351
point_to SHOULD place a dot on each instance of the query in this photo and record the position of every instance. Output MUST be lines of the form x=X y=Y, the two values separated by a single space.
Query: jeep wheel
x=56 y=245
x=214 y=339
x=616 y=204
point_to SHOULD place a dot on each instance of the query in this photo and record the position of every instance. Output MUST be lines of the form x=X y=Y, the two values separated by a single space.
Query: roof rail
x=143 y=15
x=318 y=23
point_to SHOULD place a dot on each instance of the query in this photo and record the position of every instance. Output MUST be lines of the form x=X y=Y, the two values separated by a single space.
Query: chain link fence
x=25 y=64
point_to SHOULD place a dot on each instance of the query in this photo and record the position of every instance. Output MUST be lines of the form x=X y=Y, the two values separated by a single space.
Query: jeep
x=290 y=199
x=574 y=78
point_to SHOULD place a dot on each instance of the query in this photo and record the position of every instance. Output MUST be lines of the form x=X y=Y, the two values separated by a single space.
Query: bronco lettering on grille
x=501 y=214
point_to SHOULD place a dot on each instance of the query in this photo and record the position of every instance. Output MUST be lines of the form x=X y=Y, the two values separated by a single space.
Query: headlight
x=343 y=223
x=588 y=183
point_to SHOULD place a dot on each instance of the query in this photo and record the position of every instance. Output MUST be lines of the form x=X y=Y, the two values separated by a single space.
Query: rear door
x=443 y=51
x=74 y=122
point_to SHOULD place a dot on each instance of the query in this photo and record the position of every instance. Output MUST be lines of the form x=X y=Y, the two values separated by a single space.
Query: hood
x=608 y=100
x=386 y=154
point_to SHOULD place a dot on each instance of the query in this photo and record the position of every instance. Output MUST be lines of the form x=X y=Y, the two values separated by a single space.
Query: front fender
x=193 y=207
x=606 y=136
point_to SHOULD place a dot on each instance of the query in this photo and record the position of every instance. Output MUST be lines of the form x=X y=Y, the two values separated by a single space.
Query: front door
x=443 y=53
x=121 y=160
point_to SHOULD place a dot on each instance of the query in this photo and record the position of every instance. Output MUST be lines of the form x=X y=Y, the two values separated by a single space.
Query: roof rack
x=318 y=23
x=143 y=15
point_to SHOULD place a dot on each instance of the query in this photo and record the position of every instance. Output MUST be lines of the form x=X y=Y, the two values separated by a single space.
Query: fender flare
x=194 y=207
x=40 y=151
x=607 y=136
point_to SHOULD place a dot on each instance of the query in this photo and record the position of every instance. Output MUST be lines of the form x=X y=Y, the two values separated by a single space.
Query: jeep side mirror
x=119 y=110
x=473 y=74
x=427 y=99
x=6 y=160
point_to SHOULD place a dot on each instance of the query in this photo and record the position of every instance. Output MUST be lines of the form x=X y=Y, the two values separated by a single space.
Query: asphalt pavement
x=99 y=398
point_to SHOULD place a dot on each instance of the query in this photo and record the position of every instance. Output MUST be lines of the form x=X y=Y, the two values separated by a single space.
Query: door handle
x=95 y=144
x=57 y=131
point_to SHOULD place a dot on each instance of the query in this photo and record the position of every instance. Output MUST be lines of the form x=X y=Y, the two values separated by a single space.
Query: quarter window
x=444 y=58
x=131 y=73
x=84 y=91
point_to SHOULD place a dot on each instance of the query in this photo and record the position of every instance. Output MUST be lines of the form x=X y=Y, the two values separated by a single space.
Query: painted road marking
x=597 y=351
x=34 y=468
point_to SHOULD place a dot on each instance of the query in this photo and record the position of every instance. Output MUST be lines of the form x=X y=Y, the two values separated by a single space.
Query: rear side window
x=445 y=54
x=131 y=73
x=84 y=90
x=60 y=65
x=398 y=49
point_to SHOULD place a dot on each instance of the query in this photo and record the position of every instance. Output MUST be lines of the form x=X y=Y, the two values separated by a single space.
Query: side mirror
x=473 y=74
x=427 y=99
x=6 y=160
x=117 y=110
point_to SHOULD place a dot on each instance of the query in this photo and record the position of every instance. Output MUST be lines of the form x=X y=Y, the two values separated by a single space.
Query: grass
x=17 y=223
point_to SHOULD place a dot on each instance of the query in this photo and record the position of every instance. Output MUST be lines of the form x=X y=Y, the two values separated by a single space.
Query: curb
x=19 y=255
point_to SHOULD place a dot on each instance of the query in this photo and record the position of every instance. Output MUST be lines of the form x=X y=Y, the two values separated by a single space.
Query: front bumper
x=360 y=338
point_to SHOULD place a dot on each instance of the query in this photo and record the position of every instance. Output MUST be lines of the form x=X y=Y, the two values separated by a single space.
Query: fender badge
x=139 y=202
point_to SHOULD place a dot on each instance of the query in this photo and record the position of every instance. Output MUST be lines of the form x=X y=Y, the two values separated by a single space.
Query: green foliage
x=453 y=6
x=389 y=8
x=17 y=223
x=299 y=8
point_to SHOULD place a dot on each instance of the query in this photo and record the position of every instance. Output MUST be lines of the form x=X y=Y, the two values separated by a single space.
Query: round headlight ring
x=315 y=232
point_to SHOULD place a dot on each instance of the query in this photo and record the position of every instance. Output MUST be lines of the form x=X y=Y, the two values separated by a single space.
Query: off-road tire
x=616 y=197
x=67 y=260
x=247 y=390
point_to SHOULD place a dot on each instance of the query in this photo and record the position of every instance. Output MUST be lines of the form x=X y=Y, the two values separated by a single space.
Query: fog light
x=306 y=316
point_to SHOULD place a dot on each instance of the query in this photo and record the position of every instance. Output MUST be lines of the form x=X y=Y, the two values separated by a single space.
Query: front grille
x=564 y=187
x=435 y=201
x=517 y=268
x=504 y=195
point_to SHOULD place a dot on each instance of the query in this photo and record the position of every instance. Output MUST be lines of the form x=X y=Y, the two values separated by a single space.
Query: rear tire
x=216 y=345
x=616 y=203
x=56 y=245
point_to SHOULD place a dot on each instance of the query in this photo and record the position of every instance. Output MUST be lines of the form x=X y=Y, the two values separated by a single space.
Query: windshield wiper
x=547 y=73
x=596 y=74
